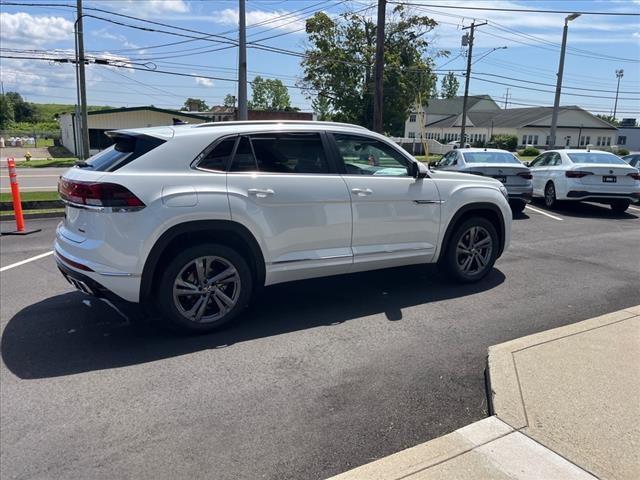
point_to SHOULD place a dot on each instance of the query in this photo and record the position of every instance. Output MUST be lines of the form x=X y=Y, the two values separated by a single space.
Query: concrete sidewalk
x=566 y=403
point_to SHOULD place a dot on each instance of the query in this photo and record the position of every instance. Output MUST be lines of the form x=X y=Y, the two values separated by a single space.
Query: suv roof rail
x=274 y=122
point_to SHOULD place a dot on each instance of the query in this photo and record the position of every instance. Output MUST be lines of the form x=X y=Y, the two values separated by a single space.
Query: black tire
x=454 y=261
x=620 y=206
x=517 y=206
x=173 y=310
x=550 y=200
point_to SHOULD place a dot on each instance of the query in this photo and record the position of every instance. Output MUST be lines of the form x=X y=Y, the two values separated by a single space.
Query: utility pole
x=378 y=99
x=619 y=74
x=556 y=102
x=84 y=129
x=468 y=40
x=243 y=113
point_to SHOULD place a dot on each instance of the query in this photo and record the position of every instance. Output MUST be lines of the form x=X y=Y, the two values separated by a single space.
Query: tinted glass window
x=126 y=149
x=368 y=156
x=593 y=157
x=243 y=160
x=218 y=157
x=490 y=157
x=290 y=153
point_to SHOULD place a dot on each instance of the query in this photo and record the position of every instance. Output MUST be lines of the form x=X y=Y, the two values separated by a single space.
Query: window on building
x=608 y=141
x=622 y=140
x=412 y=118
x=412 y=134
x=546 y=142
x=524 y=140
x=582 y=141
x=567 y=142
x=484 y=137
x=535 y=139
x=587 y=140
x=598 y=141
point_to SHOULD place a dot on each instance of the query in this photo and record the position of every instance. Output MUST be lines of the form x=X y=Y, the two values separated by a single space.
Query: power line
x=523 y=10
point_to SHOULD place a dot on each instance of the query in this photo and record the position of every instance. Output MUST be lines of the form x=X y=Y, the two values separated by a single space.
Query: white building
x=101 y=121
x=442 y=120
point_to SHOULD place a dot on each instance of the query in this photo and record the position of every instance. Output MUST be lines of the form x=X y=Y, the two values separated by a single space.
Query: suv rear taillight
x=525 y=175
x=635 y=176
x=98 y=194
x=576 y=174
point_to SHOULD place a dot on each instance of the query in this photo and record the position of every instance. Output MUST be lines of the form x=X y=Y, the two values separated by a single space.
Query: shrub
x=622 y=152
x=529 y=152
x=505 y=142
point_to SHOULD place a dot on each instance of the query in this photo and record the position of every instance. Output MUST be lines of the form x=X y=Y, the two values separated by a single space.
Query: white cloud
x=146 y=7
x=291 y=23
x=205 y=82
x=24 y=28
x=105 y=34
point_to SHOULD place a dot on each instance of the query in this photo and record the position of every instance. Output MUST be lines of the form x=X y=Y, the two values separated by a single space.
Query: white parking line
x=635 y=208
x=17 y=264
x=542 y=212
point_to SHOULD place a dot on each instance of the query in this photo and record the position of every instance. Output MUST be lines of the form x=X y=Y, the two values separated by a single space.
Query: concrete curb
x=33 y=216
x=487 y=449
x=506 y=394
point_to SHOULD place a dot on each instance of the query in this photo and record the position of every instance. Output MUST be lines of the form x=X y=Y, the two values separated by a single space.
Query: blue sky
x=598 y=46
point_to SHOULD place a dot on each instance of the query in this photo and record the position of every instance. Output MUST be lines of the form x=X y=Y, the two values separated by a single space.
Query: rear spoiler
x=163 y=133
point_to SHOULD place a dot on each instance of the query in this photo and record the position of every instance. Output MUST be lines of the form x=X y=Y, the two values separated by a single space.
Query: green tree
x=608 y=118
x=229 y=100
x=269 y=94
x=7 y=112
x=23 y=111
x=339 y=62
x=195 y=104
x=450 y=85
x=322 y=107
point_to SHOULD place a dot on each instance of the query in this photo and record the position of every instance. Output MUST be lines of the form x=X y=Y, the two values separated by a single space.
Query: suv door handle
x=361 y=192
x=261 y=192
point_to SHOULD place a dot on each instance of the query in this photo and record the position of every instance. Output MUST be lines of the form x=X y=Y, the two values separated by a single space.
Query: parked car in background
x=491 y=162
x=633 y=159
x=190 y=220
x=579 y=175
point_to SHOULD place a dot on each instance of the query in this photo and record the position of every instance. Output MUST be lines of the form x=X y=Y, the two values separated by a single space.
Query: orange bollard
x=17 y=203
x=15 y=195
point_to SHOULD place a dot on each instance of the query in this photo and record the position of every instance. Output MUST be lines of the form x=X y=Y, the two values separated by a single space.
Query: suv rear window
x=126 y=149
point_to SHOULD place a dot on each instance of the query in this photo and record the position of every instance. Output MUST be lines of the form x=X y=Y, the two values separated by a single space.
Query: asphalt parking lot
x=321 y=375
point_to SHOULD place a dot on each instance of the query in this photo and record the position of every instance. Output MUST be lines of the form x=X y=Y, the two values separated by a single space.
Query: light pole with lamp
x=619 y=75
x=556 y=103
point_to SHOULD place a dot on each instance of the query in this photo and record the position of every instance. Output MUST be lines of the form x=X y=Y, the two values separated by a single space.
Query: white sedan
x=588 y=175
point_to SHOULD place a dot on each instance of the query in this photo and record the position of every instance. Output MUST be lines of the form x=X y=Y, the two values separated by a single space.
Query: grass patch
x=6 y=213
x=431 y=159
x=31 y=196
x=48 y=163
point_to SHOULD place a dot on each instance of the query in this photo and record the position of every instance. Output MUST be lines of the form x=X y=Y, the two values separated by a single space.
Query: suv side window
x=244 y=160
x=368 y=156
x=218 y=157
x=299 y=152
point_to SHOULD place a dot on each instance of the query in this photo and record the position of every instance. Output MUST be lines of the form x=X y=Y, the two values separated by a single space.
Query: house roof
x=217 y=109
x=515 y=118
x=444 y=106
x=149 y=108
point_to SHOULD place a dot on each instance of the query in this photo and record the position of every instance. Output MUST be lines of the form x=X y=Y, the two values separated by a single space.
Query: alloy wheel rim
x=551 y=193
x=206 y=289
x=473 y=251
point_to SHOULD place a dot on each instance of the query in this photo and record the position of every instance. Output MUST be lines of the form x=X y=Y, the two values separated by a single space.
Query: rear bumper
x=602 y=196
x=100 y=284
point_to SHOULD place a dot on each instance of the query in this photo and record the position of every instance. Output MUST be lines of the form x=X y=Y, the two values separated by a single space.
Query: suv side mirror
x=527 y=164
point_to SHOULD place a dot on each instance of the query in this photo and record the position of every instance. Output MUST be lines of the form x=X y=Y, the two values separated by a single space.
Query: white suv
x=192 y=219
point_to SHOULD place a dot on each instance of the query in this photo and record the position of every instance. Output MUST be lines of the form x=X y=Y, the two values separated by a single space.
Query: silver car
x=491 y=162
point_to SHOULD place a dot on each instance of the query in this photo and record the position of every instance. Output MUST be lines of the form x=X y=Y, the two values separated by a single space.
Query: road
x=33 y=179
x=321 y=376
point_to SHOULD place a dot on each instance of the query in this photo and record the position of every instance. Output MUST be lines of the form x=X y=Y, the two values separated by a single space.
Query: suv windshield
x=599 y=157
x=126 y=149
x=489 y=157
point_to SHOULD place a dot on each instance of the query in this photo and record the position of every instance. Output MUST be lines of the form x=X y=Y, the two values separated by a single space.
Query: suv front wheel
x=472 y=250
x=203 y=288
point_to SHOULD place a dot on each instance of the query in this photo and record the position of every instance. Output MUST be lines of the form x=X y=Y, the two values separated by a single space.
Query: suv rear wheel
x=472 y=250
x=203 y=288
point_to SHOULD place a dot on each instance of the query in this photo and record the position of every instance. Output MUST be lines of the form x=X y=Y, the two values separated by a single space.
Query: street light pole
x=556 y=102
x=619 y=74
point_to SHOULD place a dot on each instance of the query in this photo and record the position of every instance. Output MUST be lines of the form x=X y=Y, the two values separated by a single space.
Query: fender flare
x=470 y=207
x=200 y=227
